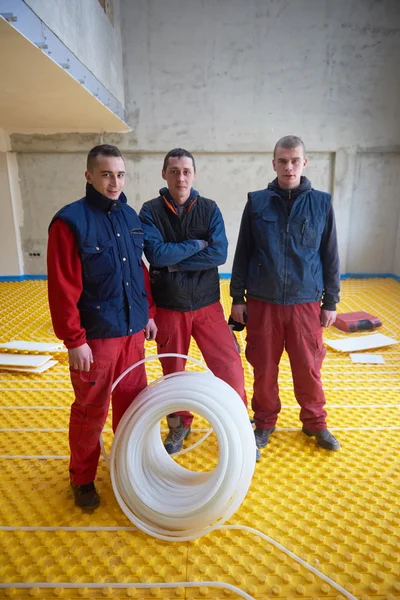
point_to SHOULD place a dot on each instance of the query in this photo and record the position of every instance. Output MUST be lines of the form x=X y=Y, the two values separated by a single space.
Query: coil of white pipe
x=154 y=468
x=158 y=495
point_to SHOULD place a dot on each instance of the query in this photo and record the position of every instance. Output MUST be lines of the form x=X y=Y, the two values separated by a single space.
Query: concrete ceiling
x=39 y=96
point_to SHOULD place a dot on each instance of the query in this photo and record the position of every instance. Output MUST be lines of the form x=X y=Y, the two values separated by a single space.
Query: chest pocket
x=198 y=233
x=137 y=237
x=266 y=219
x=98 y=260
x=266 y=225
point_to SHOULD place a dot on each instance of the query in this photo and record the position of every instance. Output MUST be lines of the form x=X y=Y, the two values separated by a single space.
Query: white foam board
x=33 y=346
x=371 y=359
x=41 y=369
x=23 y=360
x=365 y=342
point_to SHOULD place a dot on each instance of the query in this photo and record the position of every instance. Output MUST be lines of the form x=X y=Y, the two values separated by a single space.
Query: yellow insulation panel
x=339 y=512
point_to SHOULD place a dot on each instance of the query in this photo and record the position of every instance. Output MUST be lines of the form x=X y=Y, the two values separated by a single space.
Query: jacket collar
x=194 y=194
x=292 y=194
x=102 y=202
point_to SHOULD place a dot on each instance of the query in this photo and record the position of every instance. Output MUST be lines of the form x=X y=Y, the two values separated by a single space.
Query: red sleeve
x=147 y=286
x=64 y=272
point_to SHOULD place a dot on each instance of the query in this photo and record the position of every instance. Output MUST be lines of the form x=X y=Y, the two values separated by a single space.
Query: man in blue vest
x=285 y=285
x=100 y=303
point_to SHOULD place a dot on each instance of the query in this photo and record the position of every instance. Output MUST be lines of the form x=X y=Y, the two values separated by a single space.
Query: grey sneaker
x=262 y=436
x=177 y=434
x=258 y=454
x=324 y=438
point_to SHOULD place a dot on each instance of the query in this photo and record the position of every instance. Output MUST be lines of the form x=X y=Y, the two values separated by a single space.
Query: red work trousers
x=270 y=329
x=92 y=399
x=214 y=338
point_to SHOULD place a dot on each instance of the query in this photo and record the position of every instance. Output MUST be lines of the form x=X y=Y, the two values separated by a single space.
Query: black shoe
x=262 y=436
x=324 y=438
x=86 y=495
x=178 y=433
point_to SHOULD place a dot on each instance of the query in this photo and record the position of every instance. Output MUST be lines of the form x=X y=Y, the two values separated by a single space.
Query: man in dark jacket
x=100 y=304
x=287 y=266
x=185 y=242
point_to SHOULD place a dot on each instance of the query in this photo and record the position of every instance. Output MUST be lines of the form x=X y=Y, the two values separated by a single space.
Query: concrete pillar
x=343 y=186
x=11 y=258
x=396 y=260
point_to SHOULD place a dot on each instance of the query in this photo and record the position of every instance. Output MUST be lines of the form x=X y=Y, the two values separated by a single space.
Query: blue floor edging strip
x=21 y=277
x=345 y=276
x=370 y=276
x=223 y=276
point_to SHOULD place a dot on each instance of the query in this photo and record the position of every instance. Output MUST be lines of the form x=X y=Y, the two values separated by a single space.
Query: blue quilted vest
x=109 y=238
x=286 y=266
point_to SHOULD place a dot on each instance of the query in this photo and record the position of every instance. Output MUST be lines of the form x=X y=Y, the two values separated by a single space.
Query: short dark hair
x=289 y=141
x=178 y=153
x=102 y=150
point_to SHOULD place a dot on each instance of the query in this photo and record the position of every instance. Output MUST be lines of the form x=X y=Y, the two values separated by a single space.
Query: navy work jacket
x=109 y=237
x=278 y=257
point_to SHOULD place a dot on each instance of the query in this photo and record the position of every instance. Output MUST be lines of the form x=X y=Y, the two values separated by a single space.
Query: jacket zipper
x=303 y=228
x=184 y=231
x=286 y=252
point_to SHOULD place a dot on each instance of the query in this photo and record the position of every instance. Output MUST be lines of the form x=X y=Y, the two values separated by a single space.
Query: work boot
x=324 y=438
x=177 y=434
x=86 y=495
x=262 y=436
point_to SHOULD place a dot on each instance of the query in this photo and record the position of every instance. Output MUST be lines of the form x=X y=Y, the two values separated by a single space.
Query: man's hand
x=237 y=313
x=328 y=317
x=150 y=330
x=80 y=358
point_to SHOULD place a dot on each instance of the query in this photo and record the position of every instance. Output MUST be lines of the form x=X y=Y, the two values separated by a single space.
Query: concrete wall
x=226 y=79
x=11 y=260
x=86 y=30
x=375 y=214
x=64 y=182
x=43 y=196
x=396 y=268
x=235 y=75
x=229 y=77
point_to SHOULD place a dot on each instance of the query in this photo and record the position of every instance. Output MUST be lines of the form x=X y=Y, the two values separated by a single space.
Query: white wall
x=375 y=214
x=5 y=144
x=232 y=76
x=396 y=268
x=235 y=75
x=225 y=79
x=64 y=182
x=86 y=30
x=11 y=261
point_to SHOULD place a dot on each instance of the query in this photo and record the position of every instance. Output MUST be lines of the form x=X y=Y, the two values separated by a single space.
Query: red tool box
x=357 y=321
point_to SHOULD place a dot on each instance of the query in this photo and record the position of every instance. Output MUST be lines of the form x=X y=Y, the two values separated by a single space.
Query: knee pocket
x=251 y=353
x=311 y=351
x=320 y=351
x=97 y=374
x=163 y=339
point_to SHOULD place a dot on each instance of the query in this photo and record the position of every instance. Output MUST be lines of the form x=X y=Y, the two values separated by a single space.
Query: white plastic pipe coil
x=168 y=501
x=158 y=495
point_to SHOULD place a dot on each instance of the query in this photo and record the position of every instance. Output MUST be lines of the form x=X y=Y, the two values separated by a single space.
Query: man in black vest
x=287 y=266
x=185 y=242
x=100 y=308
